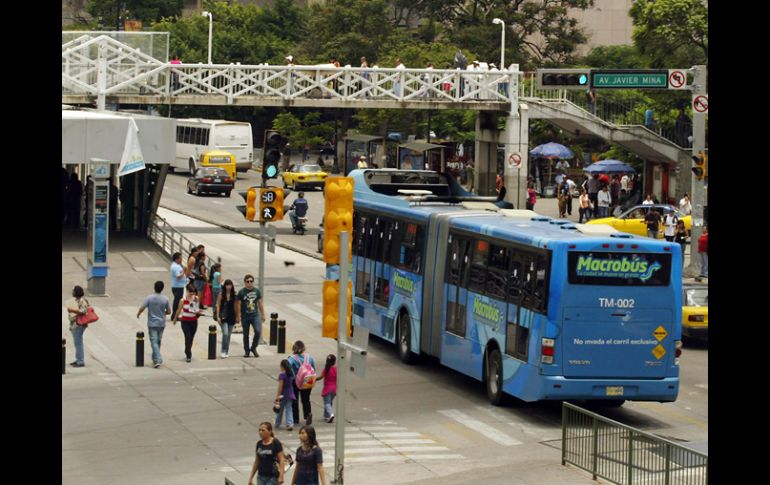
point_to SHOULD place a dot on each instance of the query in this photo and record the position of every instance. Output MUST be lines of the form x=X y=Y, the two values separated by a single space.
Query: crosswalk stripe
x=306 y=311
x=482 y=428
x=539 y=432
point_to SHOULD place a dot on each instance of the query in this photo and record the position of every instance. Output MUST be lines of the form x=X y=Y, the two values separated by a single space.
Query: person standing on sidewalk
x=189 y=312
x=178 y=281
x=329 y=392
x=215 y=280
x=269 y=460
x=585 y=207
x=653 y=220
x=224 y=313
x=286 y=399
x=296 y=360
x=191 y=260
x=703 y=250
x=157 y=308
x=310 y=466
x=78 y=305
x=250 y=313
x=680 y=237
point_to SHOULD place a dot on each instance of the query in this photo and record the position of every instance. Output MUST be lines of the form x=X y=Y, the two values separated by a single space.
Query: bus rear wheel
x=494 y=366
x=404 y=339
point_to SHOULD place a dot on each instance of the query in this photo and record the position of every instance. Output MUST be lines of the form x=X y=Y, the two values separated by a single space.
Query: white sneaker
x=224 y=355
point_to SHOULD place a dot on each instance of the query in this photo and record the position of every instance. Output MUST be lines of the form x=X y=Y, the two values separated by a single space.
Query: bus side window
x=540 y=284
x=205 y=135
x=478 y=266
x=514 y=278
x=361 y=274
x=497 y=273
x=382 y=238
x=179 y=134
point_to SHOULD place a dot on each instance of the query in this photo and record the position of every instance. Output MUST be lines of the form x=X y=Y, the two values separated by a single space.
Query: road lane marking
x=482 y=428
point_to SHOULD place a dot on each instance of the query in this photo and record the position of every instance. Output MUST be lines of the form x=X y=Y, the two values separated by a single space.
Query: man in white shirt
x=624 y=182
x=648 y=200
x=684 y=205
x=669 y=224
x=562 y=165
x=604 y=200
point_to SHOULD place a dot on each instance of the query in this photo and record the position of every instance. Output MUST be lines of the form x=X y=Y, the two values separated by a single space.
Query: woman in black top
x=225 y=313
x=310 y=466
x=269 y=460
x=680 y=236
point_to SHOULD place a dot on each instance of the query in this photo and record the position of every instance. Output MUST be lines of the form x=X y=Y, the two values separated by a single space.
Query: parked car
x=695 y=311
x=632 y=220
x=307 y=175
x=210 y=179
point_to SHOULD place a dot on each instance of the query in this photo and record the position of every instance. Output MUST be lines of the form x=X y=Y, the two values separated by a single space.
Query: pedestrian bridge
x=99 y=69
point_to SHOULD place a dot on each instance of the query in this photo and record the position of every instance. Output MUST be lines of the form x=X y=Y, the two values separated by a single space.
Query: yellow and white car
x=632 y=220
x=301 y=176
x=695 y=311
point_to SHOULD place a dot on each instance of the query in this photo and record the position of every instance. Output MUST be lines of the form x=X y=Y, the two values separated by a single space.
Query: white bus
x=195 y=136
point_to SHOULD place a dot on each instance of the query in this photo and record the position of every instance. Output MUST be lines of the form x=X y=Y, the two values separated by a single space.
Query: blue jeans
x=156 y=335
x=267 y=480
x=704 y=264
x=288 y=405
x=214 y=296
x=77 y=339
x=227 y=331
x=329 y=405
x=247 y=321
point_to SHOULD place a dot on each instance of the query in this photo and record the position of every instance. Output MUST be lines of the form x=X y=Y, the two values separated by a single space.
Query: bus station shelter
x=359 y=145
x=419 y=155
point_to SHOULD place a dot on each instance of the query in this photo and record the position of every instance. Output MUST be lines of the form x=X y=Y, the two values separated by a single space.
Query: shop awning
x=420 y=146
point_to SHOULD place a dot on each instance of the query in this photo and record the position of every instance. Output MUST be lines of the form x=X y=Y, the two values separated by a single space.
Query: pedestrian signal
x=700 y=168
x=249 y=210
x=338 y=217
x=331 y=305
x=270 y=204
x=563 y=78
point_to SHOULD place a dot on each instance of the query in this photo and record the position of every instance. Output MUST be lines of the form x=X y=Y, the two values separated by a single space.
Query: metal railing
x=625 y=455
x=167 y=238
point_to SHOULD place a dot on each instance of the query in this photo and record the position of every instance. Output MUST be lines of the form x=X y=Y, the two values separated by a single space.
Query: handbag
x=207 y=296
x=89 y=317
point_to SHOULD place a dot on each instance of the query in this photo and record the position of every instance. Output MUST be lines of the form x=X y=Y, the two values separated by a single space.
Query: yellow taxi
x=632 y=220
x=306 y=175
x=695 y=311
x=219 y=159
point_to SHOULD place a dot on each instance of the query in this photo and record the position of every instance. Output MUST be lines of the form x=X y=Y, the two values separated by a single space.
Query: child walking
x=329 y=375
x=285 y=397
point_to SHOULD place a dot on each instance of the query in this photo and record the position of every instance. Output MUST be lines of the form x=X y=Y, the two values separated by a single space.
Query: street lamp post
x=211 y=22
x=502 y=43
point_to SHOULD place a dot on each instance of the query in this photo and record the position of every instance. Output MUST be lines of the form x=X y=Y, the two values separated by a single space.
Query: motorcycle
x=300 y=226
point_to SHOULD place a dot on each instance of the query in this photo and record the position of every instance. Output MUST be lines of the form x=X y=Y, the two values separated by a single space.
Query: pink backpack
x=305 y=377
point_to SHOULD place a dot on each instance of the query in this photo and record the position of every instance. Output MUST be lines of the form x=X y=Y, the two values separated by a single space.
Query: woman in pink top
x=329 y=374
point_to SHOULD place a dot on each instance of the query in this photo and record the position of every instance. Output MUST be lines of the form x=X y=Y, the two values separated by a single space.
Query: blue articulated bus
x=536 y=308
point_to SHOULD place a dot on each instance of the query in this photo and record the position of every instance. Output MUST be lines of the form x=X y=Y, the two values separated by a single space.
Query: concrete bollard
x=281 y=336
x=140 y=349
x=273 y=328
x=212 y=342
x=63 y=356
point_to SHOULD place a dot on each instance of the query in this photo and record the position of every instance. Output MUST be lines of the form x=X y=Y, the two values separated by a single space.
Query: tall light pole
x=502 y=43
x=211 y=22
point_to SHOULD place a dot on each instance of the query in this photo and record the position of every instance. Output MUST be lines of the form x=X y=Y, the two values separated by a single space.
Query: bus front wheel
x=495 y=377
x=404 y=339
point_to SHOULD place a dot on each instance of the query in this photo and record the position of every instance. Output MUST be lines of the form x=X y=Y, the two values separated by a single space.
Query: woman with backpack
x=303 y=368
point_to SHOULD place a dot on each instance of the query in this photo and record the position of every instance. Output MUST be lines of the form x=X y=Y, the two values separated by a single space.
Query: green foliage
x=310 y=130
x=615 y=57
x=147 y=11
x=671 y=33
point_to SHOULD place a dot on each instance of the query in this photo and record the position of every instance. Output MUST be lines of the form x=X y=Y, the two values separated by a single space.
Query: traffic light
x=270 y=204
x=274 y=142
x=700 y=167
x=249 y=210
x=338 y=217
x=331 y=305
x=563 y=78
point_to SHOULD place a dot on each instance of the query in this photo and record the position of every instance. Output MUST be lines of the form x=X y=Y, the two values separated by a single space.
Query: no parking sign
x=514 y=161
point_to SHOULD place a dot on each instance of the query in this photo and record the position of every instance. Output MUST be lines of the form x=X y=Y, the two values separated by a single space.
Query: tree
x=671 y=33
x=148 y=11
x=310 y=130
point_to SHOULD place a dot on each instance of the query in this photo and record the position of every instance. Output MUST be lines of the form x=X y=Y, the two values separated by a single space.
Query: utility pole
x=698 y=184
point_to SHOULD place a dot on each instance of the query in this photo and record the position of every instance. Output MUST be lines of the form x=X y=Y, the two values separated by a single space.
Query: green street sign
x=629 y=79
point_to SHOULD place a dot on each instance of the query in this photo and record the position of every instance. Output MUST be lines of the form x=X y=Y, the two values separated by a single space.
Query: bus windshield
x=619 y=269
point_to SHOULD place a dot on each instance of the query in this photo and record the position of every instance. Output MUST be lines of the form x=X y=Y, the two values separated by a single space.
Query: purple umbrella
x=552 y=150
x=609 y=166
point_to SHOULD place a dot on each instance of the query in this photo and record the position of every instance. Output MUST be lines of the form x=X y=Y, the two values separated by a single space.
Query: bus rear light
x=667 y=248
x=620 y=246
x=696 y=318
x=572 y=246
x=605 y=245
x=547 y=350
x=634 y=246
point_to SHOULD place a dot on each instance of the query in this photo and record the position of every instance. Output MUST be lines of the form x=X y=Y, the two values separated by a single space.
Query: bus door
x=619 y=315
x=454 y=315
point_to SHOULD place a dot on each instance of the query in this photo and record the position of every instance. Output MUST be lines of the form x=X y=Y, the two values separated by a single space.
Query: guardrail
x=167 y=238
x=625 y=455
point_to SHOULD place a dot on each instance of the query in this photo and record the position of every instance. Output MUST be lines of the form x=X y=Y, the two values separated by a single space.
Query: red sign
x=700 y=103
